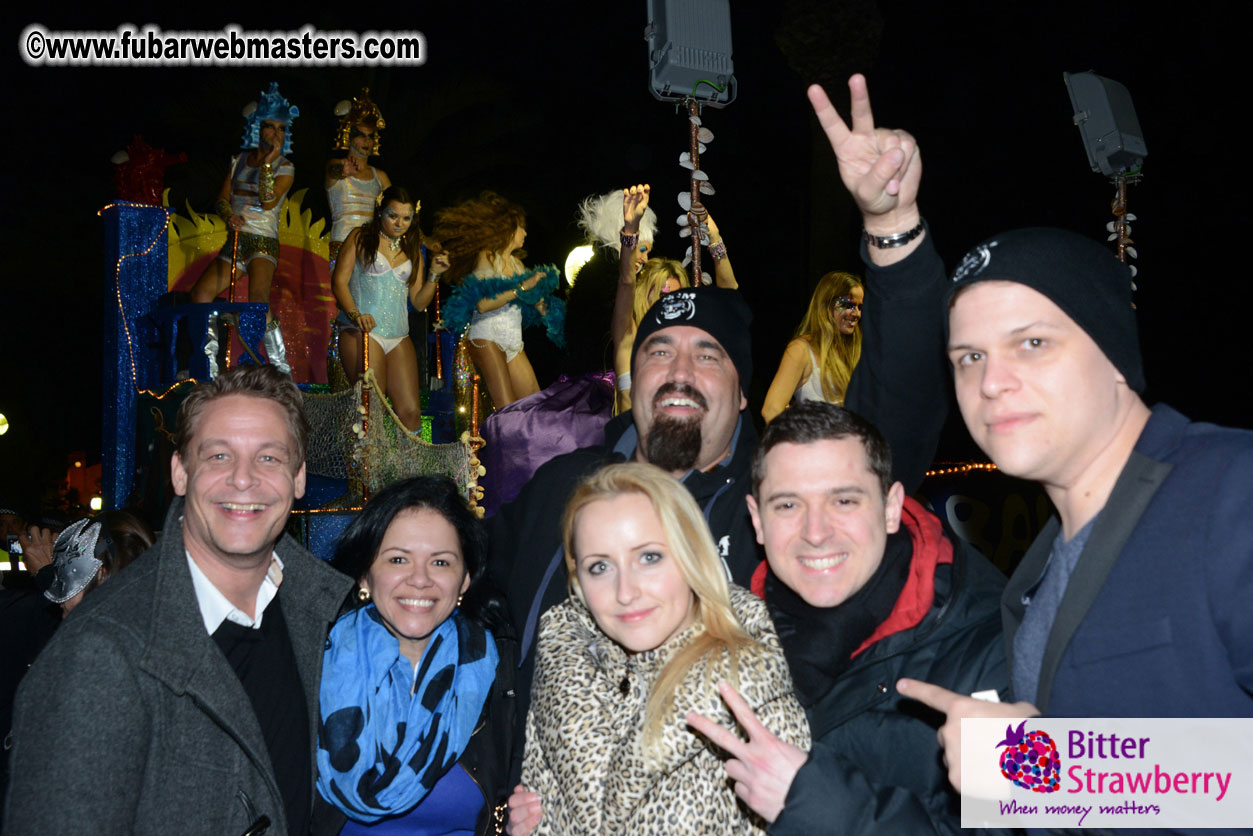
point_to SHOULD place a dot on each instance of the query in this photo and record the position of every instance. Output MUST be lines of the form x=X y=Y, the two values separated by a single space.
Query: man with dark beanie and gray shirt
x=1132 y=602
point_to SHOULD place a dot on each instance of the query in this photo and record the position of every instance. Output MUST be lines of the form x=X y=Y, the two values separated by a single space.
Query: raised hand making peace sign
x=763 y=767
x=880 y=167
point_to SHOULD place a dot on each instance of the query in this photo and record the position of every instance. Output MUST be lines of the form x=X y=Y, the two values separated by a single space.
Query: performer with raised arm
x=249 y=202
x=602 y=218
x=641 y=282
x=353 y=186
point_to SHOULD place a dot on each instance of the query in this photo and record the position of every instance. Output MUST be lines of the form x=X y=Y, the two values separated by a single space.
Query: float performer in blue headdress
x=249 y=202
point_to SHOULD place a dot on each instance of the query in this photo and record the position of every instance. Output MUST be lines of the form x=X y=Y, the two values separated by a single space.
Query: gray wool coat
x=132 y=720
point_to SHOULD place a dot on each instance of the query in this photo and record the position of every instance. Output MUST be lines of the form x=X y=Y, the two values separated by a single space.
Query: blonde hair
x=693 y=551
x=836 y=351
x=651 y=279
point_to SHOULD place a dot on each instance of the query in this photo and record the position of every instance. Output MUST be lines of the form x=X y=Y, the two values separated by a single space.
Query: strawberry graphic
x=1030 y=759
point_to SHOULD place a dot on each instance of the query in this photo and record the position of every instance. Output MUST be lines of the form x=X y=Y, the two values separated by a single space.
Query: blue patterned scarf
x=380 y=750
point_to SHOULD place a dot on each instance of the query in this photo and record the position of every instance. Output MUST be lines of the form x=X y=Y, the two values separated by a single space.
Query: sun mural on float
x=300 y=295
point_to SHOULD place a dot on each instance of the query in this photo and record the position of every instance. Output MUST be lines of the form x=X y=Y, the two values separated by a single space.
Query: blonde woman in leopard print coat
x=650 y=628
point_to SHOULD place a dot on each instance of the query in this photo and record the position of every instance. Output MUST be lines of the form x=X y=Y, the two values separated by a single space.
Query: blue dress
x=451 y=808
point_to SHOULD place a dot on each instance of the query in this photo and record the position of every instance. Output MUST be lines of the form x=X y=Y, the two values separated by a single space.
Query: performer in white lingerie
x=820 y=359
x=353 y=185
x=380 y=270
x=483 y=238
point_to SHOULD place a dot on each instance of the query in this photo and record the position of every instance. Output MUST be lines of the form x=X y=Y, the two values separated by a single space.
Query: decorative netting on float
x=372 y=450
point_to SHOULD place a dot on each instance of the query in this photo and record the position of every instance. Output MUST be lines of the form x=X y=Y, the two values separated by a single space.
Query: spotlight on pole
x=689 y=51
x=1114 y=143
x=1107 y=123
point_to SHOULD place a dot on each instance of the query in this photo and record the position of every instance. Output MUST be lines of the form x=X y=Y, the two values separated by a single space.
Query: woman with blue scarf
x=416 y=699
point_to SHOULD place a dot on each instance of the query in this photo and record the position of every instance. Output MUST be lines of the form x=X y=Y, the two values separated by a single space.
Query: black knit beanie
x=1079 y=275
x=721 y=312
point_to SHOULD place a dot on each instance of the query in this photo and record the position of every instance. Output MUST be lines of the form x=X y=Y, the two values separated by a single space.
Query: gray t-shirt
x=1042 y=601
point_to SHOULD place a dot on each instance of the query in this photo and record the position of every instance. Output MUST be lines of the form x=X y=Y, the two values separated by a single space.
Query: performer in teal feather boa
x=462 y=306
x=497 y=294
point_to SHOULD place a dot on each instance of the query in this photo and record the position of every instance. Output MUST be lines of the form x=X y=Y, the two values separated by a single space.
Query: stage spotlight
x=576 y=259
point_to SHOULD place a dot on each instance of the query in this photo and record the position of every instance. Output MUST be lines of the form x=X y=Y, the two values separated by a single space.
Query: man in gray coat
x=181 y=697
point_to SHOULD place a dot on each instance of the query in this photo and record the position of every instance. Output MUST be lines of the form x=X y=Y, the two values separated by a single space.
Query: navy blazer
x=1156 y=620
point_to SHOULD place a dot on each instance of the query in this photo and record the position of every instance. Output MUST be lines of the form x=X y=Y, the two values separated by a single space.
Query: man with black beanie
x=1132 y=600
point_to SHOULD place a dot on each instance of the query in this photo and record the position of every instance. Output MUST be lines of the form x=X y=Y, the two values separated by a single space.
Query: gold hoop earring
x=363 y=595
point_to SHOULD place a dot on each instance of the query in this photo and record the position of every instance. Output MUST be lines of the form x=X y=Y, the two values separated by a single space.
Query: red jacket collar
x=931 y=549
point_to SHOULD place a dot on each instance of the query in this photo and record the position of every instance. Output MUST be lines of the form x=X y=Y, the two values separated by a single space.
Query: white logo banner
x=1107 y=772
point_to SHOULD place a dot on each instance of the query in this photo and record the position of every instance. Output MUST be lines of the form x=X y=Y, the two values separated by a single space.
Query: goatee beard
x=674 y=444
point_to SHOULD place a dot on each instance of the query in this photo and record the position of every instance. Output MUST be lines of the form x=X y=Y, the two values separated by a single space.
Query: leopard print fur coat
x=584 y=753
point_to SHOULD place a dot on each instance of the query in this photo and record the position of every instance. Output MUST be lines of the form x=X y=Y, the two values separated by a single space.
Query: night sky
x=547 y=103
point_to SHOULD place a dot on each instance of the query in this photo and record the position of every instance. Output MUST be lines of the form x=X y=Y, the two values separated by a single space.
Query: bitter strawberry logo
x=1030 y=759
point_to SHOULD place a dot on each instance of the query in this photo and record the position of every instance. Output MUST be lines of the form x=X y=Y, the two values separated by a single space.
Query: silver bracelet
x=887 y=242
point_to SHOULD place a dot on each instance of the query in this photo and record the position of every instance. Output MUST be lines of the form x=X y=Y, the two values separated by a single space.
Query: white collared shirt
x=214 y=606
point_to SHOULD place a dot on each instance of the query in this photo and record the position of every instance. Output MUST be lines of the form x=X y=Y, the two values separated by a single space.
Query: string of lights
x=117 y=280
x=950 y=468
x=153 y=393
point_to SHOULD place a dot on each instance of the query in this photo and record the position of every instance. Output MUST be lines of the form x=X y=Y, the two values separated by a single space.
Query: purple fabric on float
x=570 y=414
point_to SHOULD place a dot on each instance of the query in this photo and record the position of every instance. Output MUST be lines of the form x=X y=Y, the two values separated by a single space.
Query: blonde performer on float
x=819 y=361
x=641 y=282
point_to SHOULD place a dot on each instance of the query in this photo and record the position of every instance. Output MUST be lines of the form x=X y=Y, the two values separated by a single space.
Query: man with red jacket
x=865 y=587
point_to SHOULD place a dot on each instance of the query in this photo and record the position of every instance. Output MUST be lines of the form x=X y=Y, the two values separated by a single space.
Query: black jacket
x=865 y=773
x=875 y=764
